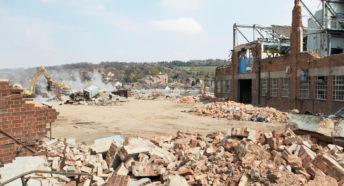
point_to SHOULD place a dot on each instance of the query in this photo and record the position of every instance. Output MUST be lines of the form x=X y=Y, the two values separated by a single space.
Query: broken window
x=338 y=88
x=321 y=88
x=336 y=51
x=229 y=87
x=304 y=87
x=285 y=87
x=273 y=87
x=218 y=86
x=263 y=87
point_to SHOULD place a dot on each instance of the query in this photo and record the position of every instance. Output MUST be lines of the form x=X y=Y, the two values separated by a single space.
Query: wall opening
x=245 y=91
x=336 y=51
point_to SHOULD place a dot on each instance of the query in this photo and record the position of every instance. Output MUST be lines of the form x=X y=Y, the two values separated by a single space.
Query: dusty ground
x=143 y=118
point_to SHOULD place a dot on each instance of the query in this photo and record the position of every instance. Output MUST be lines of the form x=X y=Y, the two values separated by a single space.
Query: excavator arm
x=39 y=71
x=34 y=79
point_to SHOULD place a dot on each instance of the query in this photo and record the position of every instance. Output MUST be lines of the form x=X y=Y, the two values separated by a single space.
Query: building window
x=321 y=88
x=229 y=87
x=304 y=87
x=336 y=51
x=263 y=87
x=273 y=87
x=338 y=88
x=218 y=86
x=285 y=87
x=223 y=86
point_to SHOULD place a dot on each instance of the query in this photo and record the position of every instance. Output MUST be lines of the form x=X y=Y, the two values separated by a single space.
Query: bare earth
x=143 y=118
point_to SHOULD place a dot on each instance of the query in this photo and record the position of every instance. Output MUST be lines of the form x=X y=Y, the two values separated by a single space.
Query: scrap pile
x=240 y=157
x=238 y=111
x=101 y=99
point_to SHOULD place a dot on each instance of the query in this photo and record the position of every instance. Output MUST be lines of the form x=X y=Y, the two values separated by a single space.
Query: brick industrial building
x=274 y=71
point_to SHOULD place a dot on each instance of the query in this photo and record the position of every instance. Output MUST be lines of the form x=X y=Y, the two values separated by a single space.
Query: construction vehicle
x=57 y=87
x=203 y=87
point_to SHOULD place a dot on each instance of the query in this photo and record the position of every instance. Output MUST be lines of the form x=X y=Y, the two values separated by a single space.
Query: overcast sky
x=52 y=32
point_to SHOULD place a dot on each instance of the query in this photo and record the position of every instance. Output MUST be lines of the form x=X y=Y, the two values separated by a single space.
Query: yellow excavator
x=58 y=87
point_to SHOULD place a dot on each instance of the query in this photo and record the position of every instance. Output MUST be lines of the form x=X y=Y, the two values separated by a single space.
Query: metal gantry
x=328 y=13
x=272 y=39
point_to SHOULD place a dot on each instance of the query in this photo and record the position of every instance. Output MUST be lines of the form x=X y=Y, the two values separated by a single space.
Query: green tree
x=154 y=72
x=160 y=68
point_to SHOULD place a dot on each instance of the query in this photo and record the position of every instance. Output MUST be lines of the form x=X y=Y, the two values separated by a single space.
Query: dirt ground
x=143 y=118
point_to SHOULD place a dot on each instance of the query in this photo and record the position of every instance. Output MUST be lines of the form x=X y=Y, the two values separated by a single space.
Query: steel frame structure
x=323 y=23
x=266 y=34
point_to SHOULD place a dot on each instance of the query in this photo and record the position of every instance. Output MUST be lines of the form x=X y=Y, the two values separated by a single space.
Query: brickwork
x=118 y=180
x=110 y=155
x=24 y=121
x=289 y=66
x=296 y=26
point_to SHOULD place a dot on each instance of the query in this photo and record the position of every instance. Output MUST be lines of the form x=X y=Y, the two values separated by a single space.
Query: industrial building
x=289 y=67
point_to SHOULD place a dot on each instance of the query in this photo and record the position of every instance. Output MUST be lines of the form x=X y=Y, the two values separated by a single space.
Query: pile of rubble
x=197 y=99
x=175 y=97
x=240 y=157
x=101 y=99
x=238 y=111
x=188 y=99
x=153 y=96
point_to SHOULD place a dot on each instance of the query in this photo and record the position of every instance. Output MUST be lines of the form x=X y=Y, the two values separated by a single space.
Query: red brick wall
x=26 y=122
x=297 y=62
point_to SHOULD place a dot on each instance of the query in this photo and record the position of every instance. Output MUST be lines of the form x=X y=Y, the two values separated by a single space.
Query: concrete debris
x=238 y=111
x=239 y=157
x=176 y=180
x=89 y=98
x=317 y=124
x=155 y=96
x=178 y=97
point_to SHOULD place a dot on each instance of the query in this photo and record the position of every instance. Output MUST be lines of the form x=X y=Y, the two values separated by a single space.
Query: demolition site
x=271 y=115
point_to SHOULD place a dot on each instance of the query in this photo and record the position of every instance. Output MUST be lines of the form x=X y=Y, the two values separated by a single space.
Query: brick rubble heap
x=233 y=110
x=240 y=157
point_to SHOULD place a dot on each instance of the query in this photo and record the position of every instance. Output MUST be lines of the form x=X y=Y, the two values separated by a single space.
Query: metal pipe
x=260 y=34
x=234 y=35
x=254 y=32
x=242 y=35
x=304 y=5
x=323 y=13
x=333 y=12
x=48 y=172
x=17 y=141
x=329 y=44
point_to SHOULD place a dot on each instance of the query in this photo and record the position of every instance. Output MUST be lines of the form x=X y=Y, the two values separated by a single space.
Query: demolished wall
x=21 y=123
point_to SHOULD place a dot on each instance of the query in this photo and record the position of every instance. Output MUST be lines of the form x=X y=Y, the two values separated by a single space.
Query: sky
x=54 y=32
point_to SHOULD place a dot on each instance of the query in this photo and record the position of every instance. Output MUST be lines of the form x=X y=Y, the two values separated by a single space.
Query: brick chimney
x=296 y=35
